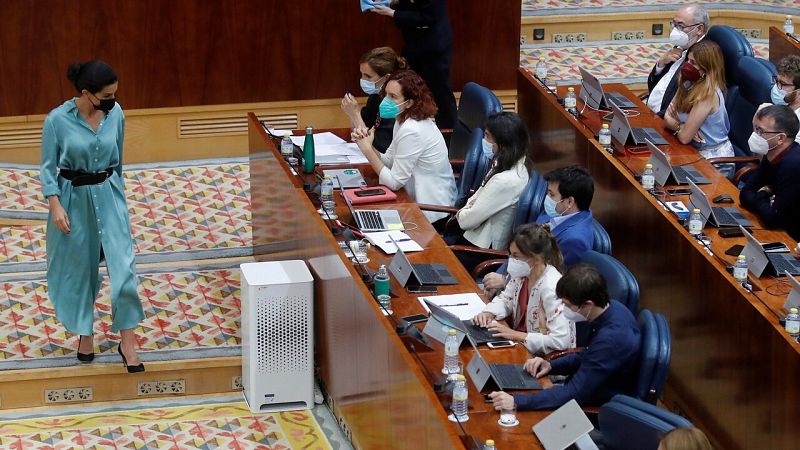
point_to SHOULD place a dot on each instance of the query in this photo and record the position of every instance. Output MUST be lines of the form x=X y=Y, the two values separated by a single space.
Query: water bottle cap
x=572 y=89
x=287 y=135
x=461 y=377
x=605 y=125
x=489 y=442
x=793 y=310
x=309 y=129
x=327 y=176
x=648 y=166
x=451 y=332
x=788 y=17
x=742 y=257
x=541 y=58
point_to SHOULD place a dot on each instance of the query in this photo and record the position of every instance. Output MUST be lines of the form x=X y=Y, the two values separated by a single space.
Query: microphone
x=549 y=89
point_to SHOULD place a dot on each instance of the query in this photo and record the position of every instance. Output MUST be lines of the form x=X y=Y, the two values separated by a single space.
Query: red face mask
x=690 y=72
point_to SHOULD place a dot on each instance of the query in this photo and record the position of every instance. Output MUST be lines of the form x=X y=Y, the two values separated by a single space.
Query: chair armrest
x=559 y=353
x=445 y=131
x=643 y=96
x=737 y=177
x=734 y=159
x=438 y=208
x=487 y=266
x=478 y=250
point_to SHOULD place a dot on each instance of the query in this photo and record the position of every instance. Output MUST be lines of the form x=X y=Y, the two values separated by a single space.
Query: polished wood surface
x=194 y=52
x=781 y=45
x=380 y=387
x=733 y=370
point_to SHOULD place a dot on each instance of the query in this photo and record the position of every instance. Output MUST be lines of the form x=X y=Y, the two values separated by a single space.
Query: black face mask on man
x=105 y=104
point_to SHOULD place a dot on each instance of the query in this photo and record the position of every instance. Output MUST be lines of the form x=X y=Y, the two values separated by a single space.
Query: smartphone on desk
x=500 y=344
x=678 y=191
x=776 y=247
x=368 y=192
x=417 y=289
x=415 y=318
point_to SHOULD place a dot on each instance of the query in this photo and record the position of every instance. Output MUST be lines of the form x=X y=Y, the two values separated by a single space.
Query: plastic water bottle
x=695 y=223
x=381 y=280
x=541 y=70
x=287 y=148
x=740 y=269
x=648 y=179
x=460 y=404
x=326 y=196
x=604 y=137
x=788 y=25
x=308 y=151
x=793 y=323
x=489 y=445
x=570 y=102
x=450 y=353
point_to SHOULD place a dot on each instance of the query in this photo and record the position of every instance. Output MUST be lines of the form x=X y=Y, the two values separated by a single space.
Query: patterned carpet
x=557 y=7
x=609 y=61
x=207 y=426
x=191 y=309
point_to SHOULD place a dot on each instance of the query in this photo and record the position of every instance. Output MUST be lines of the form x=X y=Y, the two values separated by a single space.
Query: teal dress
x=98 y=217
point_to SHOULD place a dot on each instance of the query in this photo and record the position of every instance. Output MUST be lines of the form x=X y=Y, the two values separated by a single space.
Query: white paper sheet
x=465 y=306
x=382 y=239
x=326 y=138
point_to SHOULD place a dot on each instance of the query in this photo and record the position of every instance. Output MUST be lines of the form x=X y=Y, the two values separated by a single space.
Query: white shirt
x=556 y=221
x=657 y=94
x=488 y=216
x=417 y=160
x=797 y=138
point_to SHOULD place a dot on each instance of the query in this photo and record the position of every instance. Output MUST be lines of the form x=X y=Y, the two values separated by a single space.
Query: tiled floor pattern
x=183 y=309
x=629 y=62
x=209 y=426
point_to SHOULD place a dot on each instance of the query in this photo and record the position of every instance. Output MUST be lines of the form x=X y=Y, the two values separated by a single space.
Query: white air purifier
x=277 y=336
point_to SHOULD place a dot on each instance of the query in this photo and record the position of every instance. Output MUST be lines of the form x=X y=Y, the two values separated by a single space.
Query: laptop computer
x=368 y=220
x=504 y=376
x=718 y=216
x=793 y=300
x=477 y=334
x=566 y=426
x=758 y=260
x=418 y=274
x=346 y=178
x=593 y=95
x=621 y=130
x=664 y=171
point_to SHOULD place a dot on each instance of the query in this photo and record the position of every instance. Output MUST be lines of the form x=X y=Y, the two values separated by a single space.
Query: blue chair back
x=628 y=423
x=622 y=285
x=475 y=105
x=476 y=165
x=733 y=45
x=531 y=201
x=602 y=241
x=654 y=359
x=754 y=81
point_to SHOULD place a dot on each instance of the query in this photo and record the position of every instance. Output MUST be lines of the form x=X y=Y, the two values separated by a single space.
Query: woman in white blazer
x=528 y=310
x=486 y=220
x=417 y=158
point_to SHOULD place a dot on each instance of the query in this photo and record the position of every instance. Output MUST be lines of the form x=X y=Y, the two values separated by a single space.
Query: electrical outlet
x=640 y=35
x=658 y=29
x=627 y=35
x=558 y=38
x=538 y=34
x=523 y=39
x=165 y=387
x=569 y=37
x=236 y=383
x=77 y=394
x=580 y=37
x=750 y=33
x=617 y=36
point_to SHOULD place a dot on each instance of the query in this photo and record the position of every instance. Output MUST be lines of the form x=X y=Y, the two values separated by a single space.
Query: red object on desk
x=355 y=199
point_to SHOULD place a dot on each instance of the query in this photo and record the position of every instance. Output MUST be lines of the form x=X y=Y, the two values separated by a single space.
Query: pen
x=455 y=304
x=398 y=240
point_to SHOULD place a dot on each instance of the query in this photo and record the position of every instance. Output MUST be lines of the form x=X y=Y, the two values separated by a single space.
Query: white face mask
x=758 y=144
x=778 y=95
x=488 y=149
x=573 y=316
x=518 y=268
x=679 y=38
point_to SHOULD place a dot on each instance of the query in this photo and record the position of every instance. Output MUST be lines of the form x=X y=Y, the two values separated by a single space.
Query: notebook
x=566 y=426
x=368 y=220
x=718 y=216
x=758 y=260
x=419 y=274
x=504 y=376
x=592 y=93
x=664 y=171
x=622 y=131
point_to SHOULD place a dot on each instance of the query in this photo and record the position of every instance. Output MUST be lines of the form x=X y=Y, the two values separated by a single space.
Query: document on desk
x=331 y=149
x=383 y=239
x=465 y=306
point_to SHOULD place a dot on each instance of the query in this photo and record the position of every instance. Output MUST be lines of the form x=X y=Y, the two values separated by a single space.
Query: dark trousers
x=434 y=68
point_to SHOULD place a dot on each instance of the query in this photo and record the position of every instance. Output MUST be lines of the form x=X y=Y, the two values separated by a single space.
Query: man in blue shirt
x=606 y=367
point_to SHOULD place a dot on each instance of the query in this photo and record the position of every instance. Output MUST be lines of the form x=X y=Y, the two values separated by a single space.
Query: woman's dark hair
x=383 y=60
x=536 y=239
x=414 y=88
x=92 y=75
x=512 y=139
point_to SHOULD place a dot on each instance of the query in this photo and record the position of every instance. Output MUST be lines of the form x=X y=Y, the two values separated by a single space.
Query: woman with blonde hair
x=528 y=303
x=375 y=66
x=684 y=439
x=697 y=114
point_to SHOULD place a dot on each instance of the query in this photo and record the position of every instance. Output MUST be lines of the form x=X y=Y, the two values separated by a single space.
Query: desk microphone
x=793 y=36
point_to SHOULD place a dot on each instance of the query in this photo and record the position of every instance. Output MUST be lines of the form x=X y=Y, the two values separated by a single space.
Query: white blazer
x=488 y=216
x=417 y=160
x=548 y=329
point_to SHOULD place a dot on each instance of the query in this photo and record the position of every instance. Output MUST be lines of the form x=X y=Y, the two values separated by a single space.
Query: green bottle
x=308 y=151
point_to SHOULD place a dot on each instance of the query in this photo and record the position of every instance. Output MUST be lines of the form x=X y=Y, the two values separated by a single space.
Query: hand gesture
x=494 y=280
x=350 y=105
x=503 y=331
x=538 y=367
x=501 y=400
x=363 y=137
x=483 y=319
x=60 y=218
x=383 y=10
x=669 y=57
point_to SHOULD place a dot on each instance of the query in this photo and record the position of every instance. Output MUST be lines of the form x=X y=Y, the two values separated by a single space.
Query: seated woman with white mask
x=529 y=304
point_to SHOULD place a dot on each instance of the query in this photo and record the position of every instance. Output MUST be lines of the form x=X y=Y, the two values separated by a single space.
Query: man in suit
x=689 y=26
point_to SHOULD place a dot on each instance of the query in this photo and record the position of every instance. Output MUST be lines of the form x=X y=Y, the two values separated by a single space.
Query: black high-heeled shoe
x=131 y=369
x=84 y=357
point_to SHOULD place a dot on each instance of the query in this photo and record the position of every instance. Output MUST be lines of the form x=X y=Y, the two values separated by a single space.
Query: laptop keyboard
x=639 y=135
x=724 y=217
x=479 y=334
x=370 y=220
x=427 y=274
x=782 y=265
x=508 y=375
x=681 y=175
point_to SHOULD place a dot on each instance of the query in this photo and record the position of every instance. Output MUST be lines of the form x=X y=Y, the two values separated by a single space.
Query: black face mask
x=105 y=104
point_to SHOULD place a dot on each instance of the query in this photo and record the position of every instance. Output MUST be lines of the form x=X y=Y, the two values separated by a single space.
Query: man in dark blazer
x=689 y=26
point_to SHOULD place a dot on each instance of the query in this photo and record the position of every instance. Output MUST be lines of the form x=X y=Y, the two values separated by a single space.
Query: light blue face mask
x=370 y=87
x=550 y=206
x=777 y=95
x=388 y=109
x=488 y=149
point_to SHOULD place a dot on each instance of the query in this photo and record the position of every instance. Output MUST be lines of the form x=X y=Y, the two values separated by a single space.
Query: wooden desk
x=380 y=389
x=733 y=370
x=781 y=45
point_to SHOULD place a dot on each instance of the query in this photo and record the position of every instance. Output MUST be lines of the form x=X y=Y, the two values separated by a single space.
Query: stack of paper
x=465 y=306
x=331 y=149
x=383 y=239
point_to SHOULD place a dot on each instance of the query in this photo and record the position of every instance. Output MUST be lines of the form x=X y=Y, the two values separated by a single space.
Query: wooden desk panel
x=733 y=370
x=781 y=45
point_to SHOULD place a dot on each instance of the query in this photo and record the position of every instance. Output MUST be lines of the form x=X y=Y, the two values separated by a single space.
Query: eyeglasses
x=781 y=85
x=760 y=131
x=681 y=26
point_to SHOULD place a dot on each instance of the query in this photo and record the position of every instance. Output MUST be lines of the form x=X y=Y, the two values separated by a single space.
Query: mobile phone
x=368 y=192
x=421 y=289
x=775 y=247
x=500 y=344
x=415 y=318
x=735 y=250
x=678 y=191
x=730 y=232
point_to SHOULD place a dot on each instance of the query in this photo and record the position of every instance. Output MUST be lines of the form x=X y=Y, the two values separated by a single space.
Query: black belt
x=84 y=178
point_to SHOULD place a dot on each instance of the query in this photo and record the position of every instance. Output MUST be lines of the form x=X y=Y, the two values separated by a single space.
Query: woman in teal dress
x=81 y=176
